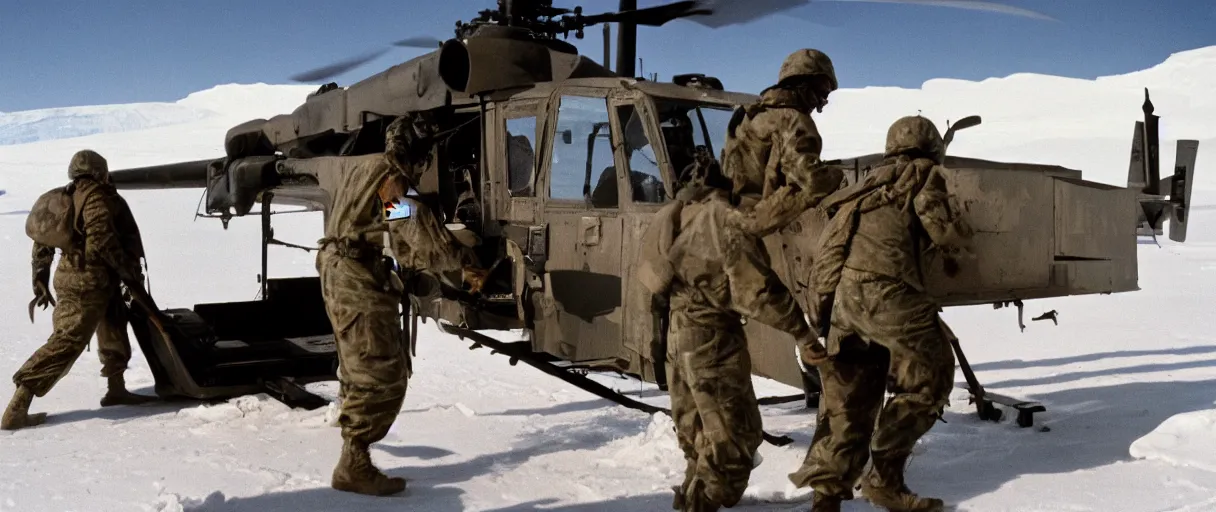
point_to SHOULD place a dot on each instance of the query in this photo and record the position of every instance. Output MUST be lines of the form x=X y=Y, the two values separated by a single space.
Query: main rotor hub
x=536 y=16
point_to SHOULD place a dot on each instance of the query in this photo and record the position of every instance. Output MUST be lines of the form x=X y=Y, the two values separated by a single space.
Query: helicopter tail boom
x=176 y=175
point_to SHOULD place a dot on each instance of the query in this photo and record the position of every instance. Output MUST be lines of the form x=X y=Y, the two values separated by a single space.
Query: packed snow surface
x=1129 y=380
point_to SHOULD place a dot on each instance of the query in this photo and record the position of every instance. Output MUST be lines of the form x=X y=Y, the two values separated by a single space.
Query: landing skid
x=570 y=377
x=292 y=394
x=984 y=400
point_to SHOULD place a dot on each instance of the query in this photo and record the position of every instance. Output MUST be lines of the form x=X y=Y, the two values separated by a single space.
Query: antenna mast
x=627 y=40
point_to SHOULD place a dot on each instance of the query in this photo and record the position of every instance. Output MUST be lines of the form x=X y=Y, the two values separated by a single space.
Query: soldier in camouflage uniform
x=362 y=293
x=772 y=151
x=90 y=282
x=716 y=276
x=884 y=327
x=772 y=147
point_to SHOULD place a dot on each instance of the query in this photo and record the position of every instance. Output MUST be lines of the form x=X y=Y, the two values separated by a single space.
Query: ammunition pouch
x=353 y=251
x=368 y=254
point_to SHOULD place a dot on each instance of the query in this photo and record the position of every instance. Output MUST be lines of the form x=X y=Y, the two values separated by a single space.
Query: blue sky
x=78 y=52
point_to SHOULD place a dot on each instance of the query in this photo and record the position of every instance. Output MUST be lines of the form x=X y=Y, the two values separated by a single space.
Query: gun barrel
x=175 y=175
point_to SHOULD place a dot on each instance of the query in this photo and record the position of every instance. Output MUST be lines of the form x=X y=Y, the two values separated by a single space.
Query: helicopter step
x=577 y=379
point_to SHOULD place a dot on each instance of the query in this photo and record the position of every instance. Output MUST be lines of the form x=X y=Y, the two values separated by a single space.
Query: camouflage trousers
x=88 y=301
x=714 y=408
x=908 y=353
x=373 y=362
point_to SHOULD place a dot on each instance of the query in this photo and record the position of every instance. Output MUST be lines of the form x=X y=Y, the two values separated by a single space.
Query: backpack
x=844 y=208
x=654 y=269
x=52 y=219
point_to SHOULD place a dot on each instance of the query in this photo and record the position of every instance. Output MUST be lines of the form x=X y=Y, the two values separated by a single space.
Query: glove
x=950 y=266
x=42 y=291
x=811 y=352
x=951 y=261
x=474 y=277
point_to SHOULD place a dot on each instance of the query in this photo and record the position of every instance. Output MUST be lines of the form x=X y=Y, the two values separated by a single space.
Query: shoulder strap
x=855 y=191
x=79 y=196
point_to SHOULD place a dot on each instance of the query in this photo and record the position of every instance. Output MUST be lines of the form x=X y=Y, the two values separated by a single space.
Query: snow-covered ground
x=1129 y=380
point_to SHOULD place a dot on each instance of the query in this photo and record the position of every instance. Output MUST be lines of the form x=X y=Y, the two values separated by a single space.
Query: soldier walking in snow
x=101 y=250
x=884 y=326
x=712 y=275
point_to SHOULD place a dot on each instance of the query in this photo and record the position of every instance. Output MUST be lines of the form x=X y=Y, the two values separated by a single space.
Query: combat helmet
x=914 y=134
x=87 y=163
x=808 y=62
x=407 y=138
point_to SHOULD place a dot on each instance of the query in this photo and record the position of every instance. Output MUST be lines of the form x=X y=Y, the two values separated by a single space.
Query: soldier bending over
x=362 y=294
x=884 y=326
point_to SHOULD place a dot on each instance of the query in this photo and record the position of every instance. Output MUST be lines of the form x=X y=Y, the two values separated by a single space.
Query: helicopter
x=551 y=168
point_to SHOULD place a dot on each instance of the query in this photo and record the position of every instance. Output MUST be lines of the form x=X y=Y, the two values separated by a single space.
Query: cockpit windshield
x=686 y=125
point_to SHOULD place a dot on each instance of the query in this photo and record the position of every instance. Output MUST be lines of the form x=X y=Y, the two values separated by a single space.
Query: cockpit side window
x=688 y=126
x=521 y=155
x=645 y=178
x=582 y=166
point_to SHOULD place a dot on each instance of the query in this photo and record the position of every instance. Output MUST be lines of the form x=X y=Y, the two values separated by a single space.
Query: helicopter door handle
x=590 y=229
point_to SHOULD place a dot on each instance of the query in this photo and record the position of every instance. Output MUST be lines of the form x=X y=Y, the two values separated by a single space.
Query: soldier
x=772 y=151
x=711 y=276
x=772 y=147
x=362 y=293
x=93 y=271
x=884 y=327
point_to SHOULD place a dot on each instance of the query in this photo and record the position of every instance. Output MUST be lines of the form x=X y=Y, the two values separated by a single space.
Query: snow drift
x=1128 y=379
x=70 y=122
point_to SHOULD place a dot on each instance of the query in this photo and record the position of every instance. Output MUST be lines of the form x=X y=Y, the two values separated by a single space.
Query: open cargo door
x=275 y=345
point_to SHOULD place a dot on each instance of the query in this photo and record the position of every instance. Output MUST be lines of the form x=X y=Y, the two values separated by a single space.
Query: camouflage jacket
x=773 y=146
x=111 y=235
x=720 y=269
x=356 y=221
x=896 y=219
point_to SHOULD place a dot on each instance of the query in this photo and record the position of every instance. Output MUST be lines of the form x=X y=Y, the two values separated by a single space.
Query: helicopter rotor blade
x=975 y=5
x=731 y=12
x=419 y=42
x=337 y=68
x=656 y=16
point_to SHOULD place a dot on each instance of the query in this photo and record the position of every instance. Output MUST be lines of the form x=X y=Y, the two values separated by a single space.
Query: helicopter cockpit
x=685 y=126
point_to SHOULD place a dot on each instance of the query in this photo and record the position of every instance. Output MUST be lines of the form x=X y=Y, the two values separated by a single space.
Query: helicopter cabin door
x=651 y=182
x=580 y=314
